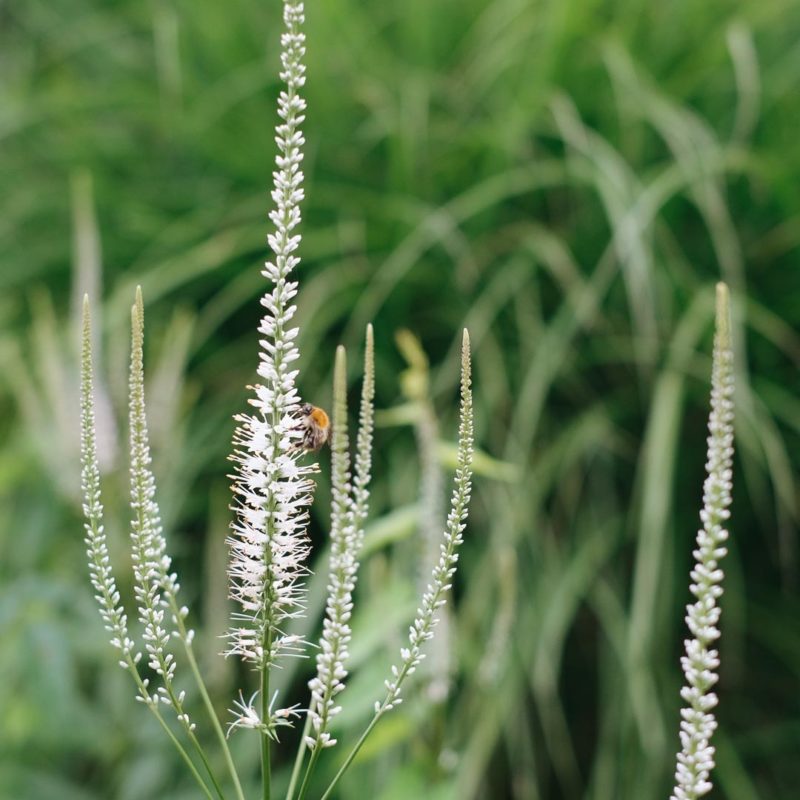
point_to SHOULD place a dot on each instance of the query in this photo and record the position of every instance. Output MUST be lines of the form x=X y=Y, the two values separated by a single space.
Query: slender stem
x=211 y=712
x=201 y=753
x=266 y=776
x=266 y=641
x=145 y=695
x=187 y=646
x=353 y=753
x=309 y=769
x=299 y=758
x=185 y=756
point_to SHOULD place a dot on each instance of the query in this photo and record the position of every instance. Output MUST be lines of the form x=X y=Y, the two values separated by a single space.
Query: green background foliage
x=568 y=179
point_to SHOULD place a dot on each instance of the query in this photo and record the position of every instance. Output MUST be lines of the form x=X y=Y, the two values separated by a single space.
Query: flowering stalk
x=343 y=566
x=150 y=549
x=147 y=539
x=272 y=489
x=336 y=634
x=696 y=759
x=433 y=598
x=102 y=578
x=155 y=587
x=348 y=515
x=111 y=610
x=366 y=425
x=415 y=381
x=443 y=571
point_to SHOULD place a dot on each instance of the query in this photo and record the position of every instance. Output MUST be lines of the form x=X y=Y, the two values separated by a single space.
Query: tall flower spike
x=696 y=759
x=333 y=652
x=145 y=518
x=272 y=489
x=140 y=458
x=348 y=515
x=114 y=617
x=416 y=386
x=433 y=598
x=148 y=554
x=366 y=423
x=154 y=585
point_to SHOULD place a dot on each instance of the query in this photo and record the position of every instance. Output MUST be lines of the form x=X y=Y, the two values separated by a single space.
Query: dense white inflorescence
x=108 y=598
x=348 y=515
x=696 y=759
x=272 y=488
x=155 y=587
x=422 y=628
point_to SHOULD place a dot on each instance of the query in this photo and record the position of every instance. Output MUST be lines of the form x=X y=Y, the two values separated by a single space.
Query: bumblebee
x=316 y=427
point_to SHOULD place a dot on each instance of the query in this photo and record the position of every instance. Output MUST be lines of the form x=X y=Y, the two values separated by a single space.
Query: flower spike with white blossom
x=272 y=489
x=433 y=598
x=108 y=597
x=151 y=564
x=696 y=759
x=348 y=515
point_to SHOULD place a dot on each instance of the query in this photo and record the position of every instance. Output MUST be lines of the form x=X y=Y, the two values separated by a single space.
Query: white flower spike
x=696 y=759
x=273 y=489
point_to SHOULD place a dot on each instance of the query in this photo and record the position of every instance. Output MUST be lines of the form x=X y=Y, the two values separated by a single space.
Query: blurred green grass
x=567 y=179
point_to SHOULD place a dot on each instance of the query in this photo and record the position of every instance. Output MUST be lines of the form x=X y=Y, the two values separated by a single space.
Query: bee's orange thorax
x=320 y=417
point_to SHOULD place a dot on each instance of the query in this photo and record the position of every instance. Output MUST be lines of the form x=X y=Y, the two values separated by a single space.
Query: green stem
x=185 y=756
x=378 y=714
x=145 y=695
x=265 y=765
x=353 y=753
x=299 y=758
x=196 y=744
x=309 y=769
x=206 y=698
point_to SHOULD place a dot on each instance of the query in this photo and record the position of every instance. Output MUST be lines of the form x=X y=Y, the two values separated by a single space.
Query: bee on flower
x=316 y=427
